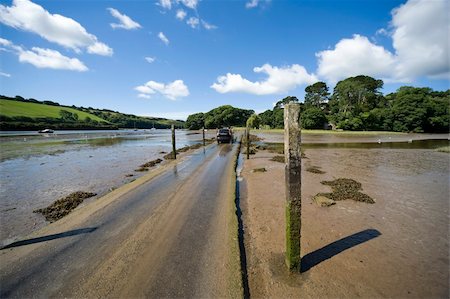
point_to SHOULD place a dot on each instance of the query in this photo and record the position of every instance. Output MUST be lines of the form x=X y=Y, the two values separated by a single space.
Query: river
x=37 y=169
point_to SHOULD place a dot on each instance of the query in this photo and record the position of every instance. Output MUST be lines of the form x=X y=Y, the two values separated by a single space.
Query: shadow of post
x=50 y=237
x=316 y=257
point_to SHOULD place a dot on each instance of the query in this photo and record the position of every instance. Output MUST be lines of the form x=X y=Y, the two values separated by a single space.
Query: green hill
x=11 y=108
x=30 y=114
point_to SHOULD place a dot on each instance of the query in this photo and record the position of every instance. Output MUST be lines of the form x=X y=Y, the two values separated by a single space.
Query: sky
x=172 y=58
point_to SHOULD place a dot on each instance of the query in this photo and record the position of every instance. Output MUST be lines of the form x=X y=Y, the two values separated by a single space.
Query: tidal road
x=167 y=237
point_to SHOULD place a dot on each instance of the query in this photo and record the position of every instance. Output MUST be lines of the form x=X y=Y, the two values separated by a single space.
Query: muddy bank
x=352 y=249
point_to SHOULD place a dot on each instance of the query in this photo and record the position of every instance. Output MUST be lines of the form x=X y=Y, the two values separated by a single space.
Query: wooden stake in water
x=292 y=154
x=247 y=138
x=204 y=141
x=174 y=150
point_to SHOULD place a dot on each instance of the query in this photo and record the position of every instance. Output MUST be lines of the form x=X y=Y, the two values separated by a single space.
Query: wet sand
x=397 y=247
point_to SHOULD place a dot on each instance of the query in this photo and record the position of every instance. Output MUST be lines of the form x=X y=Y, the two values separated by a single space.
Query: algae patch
x=262 y=169
x=278 y=159
x=315 y=169
x=344 y=189
x=64 y=206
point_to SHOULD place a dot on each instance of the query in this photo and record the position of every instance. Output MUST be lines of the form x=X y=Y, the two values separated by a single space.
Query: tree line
x=358 y=104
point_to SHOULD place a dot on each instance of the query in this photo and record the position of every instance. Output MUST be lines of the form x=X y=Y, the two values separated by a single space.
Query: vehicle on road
x=224 y=135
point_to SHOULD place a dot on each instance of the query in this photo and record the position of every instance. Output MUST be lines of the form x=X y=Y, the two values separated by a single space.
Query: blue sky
x=202 y=54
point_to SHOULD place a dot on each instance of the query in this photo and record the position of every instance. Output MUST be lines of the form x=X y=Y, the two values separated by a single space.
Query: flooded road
x=37 y=169
x=167 y=237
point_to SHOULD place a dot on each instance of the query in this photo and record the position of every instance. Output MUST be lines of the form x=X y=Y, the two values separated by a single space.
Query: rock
x=323 y=201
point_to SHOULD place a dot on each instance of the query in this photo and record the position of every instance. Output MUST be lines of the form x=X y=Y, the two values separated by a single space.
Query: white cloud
x=208 y=26
x=5 y=74
x=172 y=90
x=252 y=4
x=193 y=22
x=44 y=58
x=28 y=16
x=181 y=14
x=167 y=4
x=144 y=96
x=163 y=38
x=192 y=4
x=420 y=36
x=125 y=21
x=355 y=56
x=150 y=59
x=280 y=80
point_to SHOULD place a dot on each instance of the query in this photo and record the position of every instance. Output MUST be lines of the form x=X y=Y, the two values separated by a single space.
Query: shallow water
x=37 y=170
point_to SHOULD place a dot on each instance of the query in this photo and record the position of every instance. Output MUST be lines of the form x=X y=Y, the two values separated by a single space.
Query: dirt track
x=170 y=236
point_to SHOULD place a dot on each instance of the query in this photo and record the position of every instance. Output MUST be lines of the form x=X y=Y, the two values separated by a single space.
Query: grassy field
x=33 y=110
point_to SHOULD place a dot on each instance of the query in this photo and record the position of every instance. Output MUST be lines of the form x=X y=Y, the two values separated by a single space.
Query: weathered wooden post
x=204 y=141
x=247 y=138
x=292 y=156
x=174 y=150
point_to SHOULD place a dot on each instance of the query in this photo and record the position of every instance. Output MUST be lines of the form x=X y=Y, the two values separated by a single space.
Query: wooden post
x=174 y=150
x=204 y=142
x=247 y=138
x=292 y=156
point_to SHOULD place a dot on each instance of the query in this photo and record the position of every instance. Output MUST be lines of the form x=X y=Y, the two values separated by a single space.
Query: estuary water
x=37 y=169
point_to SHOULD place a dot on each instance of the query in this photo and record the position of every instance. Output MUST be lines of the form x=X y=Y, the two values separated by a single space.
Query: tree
x=313 y=118
x=253 y=121
x=355 y=95
x=280 y=104
x=68 y=116
x=316 y=94
x=195 y=121
x=223 y=116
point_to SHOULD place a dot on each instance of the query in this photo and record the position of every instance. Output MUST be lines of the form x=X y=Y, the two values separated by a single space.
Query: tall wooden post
x=204 y=141
x=247 y=138
x=292 y=154
x=174 y=150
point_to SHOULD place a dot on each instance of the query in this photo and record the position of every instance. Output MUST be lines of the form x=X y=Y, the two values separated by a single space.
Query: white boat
x=46 y=131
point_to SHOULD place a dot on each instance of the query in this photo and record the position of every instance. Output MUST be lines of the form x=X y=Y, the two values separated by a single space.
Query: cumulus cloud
x=193 y=22
x=420 y=38
x=181 y=14
x=172 y=90
x=44 y=58
x=279 y=80
x=5 y=74
x=192 y=4
x=355 y=56
x=167 y=4
x=163 y=38
x=125 y=21
x=28 y=16
x=150 y=59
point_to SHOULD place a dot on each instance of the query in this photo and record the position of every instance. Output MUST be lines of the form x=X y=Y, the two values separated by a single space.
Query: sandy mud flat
x=397 y=247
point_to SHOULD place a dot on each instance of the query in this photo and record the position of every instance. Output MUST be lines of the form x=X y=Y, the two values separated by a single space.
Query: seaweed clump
x=346 y=189
x=315 y=169
x=262 y=169
x=64 y=206
x=278 y=159
x=170 y=156
x=146 y=166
